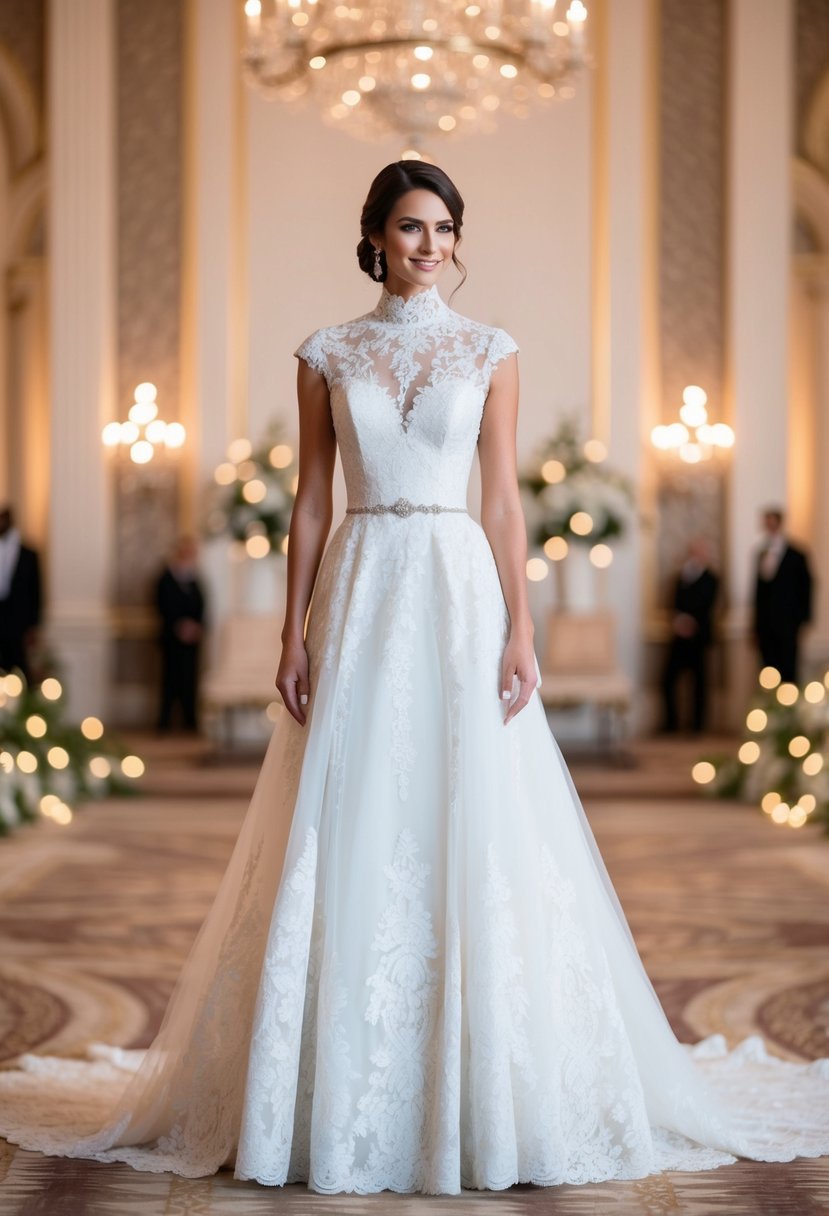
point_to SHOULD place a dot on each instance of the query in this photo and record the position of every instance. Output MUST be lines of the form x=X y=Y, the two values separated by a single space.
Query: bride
x=415 y=975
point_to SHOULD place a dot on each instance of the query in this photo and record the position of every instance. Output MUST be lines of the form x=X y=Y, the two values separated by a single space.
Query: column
x=625 y=285
x=82 y=336
x=214 y=296
x=28 y=364
x=758 y=266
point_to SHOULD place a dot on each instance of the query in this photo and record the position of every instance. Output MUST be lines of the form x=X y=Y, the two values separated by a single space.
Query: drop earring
x=378 y=269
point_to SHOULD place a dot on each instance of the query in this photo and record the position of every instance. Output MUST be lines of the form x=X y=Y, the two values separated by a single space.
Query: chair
x=243 y=677
x=580 y=668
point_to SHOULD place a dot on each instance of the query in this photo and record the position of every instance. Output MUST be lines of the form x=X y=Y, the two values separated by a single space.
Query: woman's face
x=418 y=241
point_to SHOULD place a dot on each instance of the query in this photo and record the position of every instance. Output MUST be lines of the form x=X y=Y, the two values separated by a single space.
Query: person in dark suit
x=694 y=596
x=20 y=596
x=181 y=606
x=782 y=597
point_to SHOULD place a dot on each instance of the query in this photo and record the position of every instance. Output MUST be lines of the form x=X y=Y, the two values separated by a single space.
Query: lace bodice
x=408 y=382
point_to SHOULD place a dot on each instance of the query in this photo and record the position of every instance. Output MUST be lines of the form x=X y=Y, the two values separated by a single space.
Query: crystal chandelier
x=418 y=68
x=707 y=438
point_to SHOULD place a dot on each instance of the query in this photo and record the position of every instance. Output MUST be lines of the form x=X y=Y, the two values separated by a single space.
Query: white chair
x=580 y=668
x=243 y=677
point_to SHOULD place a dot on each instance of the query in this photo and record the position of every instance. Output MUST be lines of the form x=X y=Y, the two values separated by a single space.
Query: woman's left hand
x=519 y=660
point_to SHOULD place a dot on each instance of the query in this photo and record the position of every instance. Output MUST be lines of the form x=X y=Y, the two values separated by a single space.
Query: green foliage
x=573 y=483
x=780 y=763
x=48 y=765
x=267 y=473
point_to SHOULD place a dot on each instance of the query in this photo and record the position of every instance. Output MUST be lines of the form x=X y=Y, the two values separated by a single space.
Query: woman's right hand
x=292 y=679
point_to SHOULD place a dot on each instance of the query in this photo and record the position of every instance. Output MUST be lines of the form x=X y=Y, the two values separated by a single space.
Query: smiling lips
x=423 y=264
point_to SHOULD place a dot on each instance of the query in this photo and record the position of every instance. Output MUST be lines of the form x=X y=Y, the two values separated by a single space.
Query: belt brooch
x=403 y=508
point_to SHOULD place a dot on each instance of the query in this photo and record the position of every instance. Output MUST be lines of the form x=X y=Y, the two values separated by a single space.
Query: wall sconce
x=144 y=431
x=693 y=438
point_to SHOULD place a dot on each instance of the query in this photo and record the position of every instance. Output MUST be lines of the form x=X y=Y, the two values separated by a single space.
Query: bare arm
x=310 y=525
x=502 y=519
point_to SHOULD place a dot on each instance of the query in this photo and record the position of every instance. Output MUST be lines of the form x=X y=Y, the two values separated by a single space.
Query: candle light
x=576 y=17
x=253 y=12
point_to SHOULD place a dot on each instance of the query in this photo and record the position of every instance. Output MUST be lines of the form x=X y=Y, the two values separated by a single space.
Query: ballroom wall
x=633 y=239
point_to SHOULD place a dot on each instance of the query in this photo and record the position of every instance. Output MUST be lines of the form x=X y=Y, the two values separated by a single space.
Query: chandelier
x=418 y=68
x=694 y=439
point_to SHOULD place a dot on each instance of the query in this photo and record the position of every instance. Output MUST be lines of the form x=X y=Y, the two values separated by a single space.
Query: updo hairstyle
x=389 y=185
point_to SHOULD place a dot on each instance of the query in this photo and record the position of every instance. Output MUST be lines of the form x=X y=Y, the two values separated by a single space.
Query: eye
x=408 y=227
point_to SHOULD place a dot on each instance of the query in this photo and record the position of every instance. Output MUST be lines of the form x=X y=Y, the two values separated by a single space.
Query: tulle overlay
x=415 y=975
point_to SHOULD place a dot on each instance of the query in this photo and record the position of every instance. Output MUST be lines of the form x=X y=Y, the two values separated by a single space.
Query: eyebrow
x=410 y=219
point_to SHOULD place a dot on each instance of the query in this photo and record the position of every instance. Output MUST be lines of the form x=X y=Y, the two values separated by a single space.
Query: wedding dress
x=416 y=974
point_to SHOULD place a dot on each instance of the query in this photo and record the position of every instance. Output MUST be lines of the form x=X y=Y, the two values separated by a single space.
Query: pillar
x=82 y=312
x=758 y=266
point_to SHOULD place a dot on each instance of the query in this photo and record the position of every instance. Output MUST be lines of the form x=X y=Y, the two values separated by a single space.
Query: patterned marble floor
x=730 y=913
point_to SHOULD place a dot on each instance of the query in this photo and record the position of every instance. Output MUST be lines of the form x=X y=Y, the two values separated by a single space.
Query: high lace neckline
x=423 y=308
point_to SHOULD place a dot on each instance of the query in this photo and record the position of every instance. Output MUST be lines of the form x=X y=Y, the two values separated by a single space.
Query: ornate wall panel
x=150 y=49
x=22 y=32
x=692 y=217
x=811 y=54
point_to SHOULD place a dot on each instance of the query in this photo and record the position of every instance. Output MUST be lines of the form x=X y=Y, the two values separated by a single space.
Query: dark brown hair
x=389 y=185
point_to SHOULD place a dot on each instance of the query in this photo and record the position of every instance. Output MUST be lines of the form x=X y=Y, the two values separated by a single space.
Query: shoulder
x=316 y=350
x=494 y=343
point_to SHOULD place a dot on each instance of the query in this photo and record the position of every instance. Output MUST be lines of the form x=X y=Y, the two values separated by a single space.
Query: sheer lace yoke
x=407 y=348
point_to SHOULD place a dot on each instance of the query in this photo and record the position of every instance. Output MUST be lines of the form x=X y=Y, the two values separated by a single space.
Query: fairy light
x=132 y=766
x=769 y=677
x=58 y=757
x=556 y=548
x=26 y=761
x=92 y=728
x=239 y=450
x=601 y=556
x=703 y=772
x=757 y=720
x=36 y=726
x=553 y=471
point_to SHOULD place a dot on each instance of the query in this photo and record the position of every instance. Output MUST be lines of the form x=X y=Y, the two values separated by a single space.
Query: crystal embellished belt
x=403 y=508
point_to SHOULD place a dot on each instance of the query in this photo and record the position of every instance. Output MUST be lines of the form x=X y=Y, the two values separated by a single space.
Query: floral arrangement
x=254 y=494
x=47 y=766
x=576 y=496
x=780 y=764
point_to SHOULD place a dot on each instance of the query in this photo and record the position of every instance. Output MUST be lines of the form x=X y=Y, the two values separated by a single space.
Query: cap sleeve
x=500 y=346
x=313 y=352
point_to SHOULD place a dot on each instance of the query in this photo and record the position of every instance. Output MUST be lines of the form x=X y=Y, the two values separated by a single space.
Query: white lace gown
x=415 y=975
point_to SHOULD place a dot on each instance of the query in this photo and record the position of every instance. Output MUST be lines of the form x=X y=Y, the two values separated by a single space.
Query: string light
x=787 y=731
